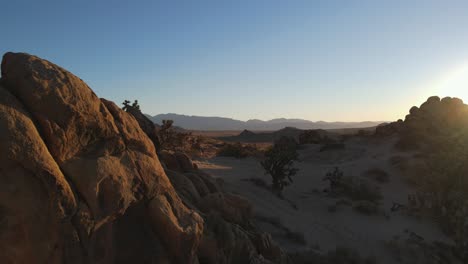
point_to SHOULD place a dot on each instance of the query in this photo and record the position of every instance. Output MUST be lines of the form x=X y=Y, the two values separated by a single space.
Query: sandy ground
x=323 y=229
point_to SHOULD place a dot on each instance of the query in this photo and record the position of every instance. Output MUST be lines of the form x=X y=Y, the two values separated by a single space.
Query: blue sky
x=318 y=60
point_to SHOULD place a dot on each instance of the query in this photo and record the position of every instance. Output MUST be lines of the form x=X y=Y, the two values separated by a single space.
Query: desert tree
x=279 y=162
x=135 y=105
x=167 y=135
x=167 y=124
x=334 y=177
x=128 y=107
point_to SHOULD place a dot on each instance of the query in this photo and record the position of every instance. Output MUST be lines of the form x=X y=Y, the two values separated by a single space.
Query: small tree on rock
x=127 y=107
x=279 y=161
x=135 y=105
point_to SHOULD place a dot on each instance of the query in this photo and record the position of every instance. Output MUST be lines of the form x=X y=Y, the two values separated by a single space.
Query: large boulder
x=60 y=136
x=231 y=207
x=429 y=125
x=36 y=201
x=176 y=161
x=184 y=186
x=80 y=182
x=225 y=243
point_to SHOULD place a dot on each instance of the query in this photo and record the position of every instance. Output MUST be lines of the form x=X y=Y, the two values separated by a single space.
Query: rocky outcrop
x=389 y=129
x=146 y=125
x=81 y=182
x=434 y=122
x=177 y=161
x=80 y=163
x=229 y=235
x=36 y=201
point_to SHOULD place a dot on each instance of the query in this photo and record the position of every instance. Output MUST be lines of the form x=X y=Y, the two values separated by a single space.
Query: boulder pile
x=81 y=182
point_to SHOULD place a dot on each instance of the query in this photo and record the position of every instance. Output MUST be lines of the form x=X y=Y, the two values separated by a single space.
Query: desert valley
x=84 y=180
x=234 y=132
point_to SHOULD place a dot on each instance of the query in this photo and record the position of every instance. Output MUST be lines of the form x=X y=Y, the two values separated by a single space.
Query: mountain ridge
x=225 y=123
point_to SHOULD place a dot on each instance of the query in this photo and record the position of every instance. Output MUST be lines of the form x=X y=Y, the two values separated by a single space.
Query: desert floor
x=306 y=208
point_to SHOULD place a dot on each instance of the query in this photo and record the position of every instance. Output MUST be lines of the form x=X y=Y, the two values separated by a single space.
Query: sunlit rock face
x=81 y=182
x=72 y=167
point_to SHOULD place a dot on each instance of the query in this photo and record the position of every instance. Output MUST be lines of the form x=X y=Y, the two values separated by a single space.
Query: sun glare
x=454 y=84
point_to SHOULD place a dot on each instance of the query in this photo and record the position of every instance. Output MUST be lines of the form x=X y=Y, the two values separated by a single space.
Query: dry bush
x=235 y=150
x=238 y=150
x=310 y=137
x=442 y=192
x=352 y=187
x=172 y=140
x=279 y=161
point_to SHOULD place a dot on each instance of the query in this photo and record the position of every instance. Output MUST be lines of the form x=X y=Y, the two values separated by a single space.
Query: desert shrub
x=351 y=187
x=443 y=193
x=334 y=178
x=167 y=135
x=310 y=137
x=172 y=140
x=236 y=150
x=378 y=175
x=279 y=161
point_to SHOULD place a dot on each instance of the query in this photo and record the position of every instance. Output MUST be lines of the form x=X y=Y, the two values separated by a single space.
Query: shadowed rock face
x=80 y=182
x=435 y=119
x=72 y=166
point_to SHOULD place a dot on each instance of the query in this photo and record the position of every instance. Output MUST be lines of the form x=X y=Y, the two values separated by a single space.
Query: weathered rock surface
x=80 y=182
x=146 y=124
x=36 y=201
x=229 y=235
x=177 y=161
x=61 y=136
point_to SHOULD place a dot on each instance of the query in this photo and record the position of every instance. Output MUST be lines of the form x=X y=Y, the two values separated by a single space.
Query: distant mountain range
x=223 y=123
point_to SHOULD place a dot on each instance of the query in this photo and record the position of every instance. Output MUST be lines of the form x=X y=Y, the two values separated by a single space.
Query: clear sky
x=318 y=60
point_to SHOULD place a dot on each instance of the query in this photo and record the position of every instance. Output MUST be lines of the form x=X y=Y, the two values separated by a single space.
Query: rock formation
x=434 y=122
x=80 y=182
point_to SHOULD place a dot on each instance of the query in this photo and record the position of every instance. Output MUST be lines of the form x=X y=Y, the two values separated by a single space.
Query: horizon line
x=286 y=118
